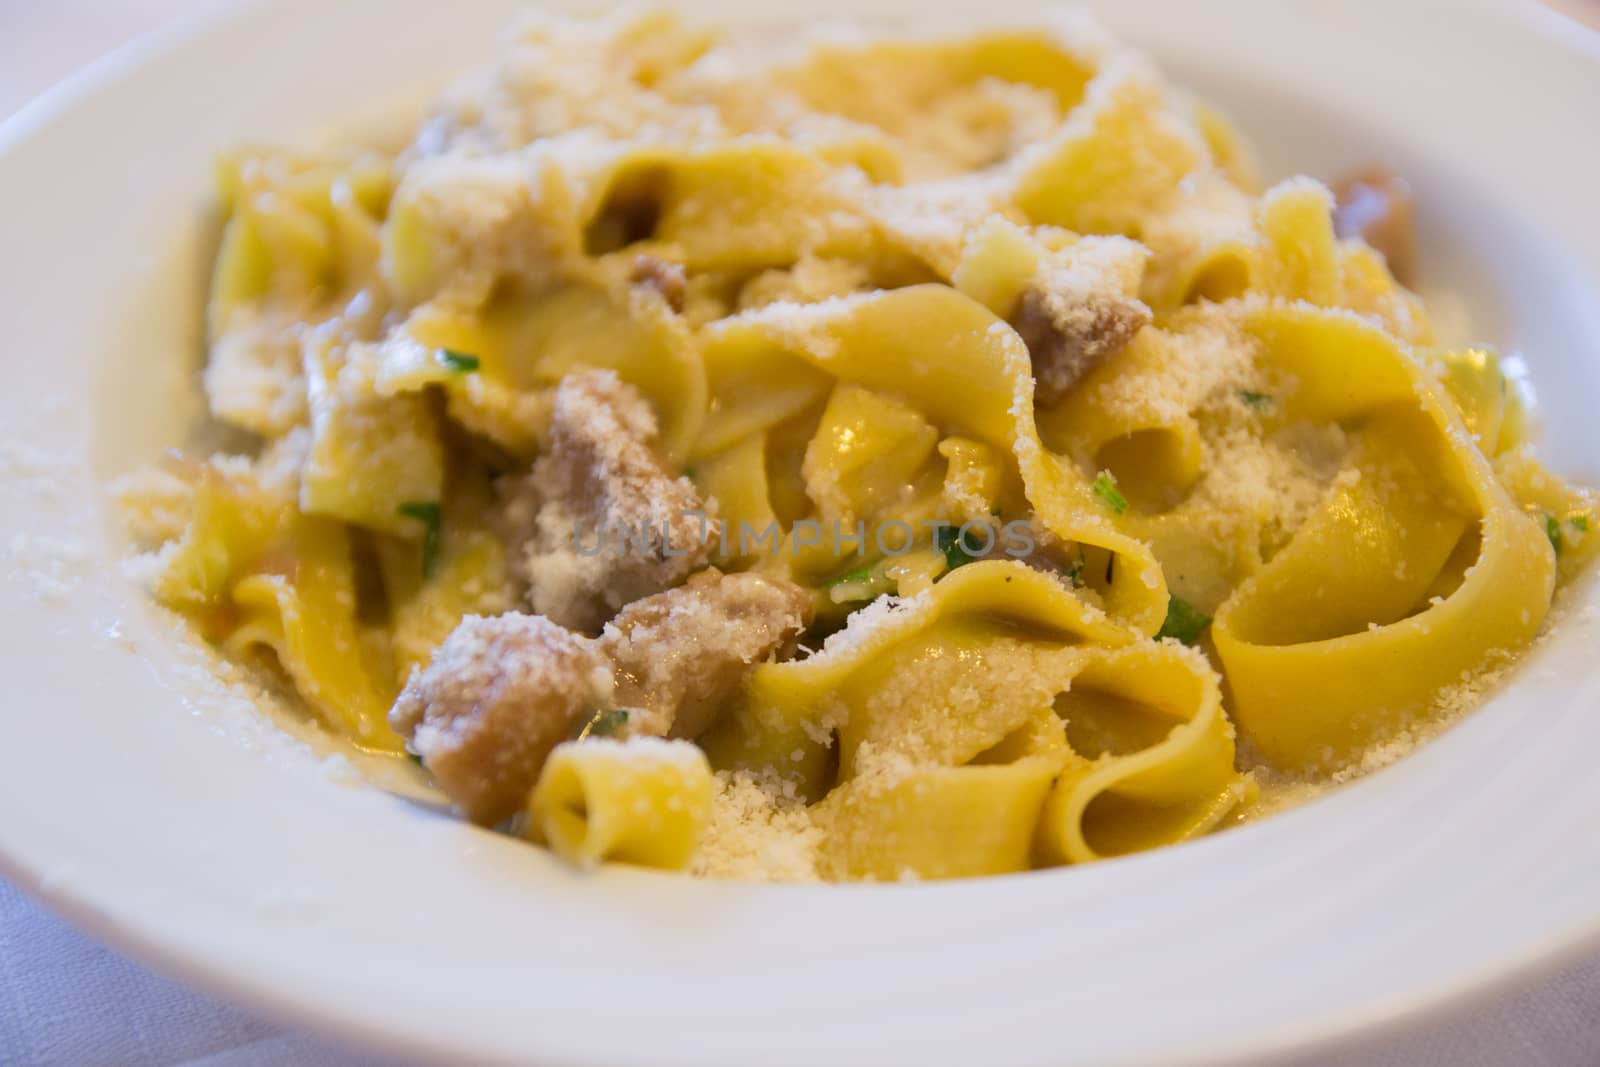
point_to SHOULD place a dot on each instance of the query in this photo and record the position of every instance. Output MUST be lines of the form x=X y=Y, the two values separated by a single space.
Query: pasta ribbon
x=934 y=822
x=754 y=387
x=891 y=85
x=949 y=357
x=926 y=742
x=1116 y=158
x=466 y=575
x=868 y=451
x=371 y=454
x=1300 y=261
x=641 y=801
x=791 y=711
x=256 y=572
x=1153 y=755
x=1205 y=246
x=1312 y=687
x=752 y=203
x=295 y=225
x=521 y=345
x=1151 y=445
x=457 y=228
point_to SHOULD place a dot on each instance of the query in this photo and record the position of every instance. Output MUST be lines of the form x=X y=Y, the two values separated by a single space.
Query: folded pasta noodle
x=934 y=821
x=1153 y=755
x=949 y=435
x=1340 y=635
x=257 y=573
x=641 y=801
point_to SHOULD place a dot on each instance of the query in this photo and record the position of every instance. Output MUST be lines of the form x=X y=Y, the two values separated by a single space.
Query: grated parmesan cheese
x=757 y=832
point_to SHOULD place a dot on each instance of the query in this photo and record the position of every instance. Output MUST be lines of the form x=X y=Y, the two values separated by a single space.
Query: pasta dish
x=859 y=458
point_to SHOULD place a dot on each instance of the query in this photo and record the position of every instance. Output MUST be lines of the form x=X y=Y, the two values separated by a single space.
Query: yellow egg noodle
x=1083 y=451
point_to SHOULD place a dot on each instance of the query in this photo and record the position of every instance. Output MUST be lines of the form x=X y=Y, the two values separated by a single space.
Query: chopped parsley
x=1105 y=487
x=1183 y=621
x=689 y=473
x=451 y=360
x=860 y=574
x=948 y=540
x=1075 y=572
x=1552 y=530
x=429 y=514
x=864 y=583
x=604 y=723
x=1252 y=399
x=1580 y=523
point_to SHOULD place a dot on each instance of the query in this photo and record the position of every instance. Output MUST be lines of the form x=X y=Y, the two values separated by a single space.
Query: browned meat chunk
x=1069 y=336
x=1376 y=205
x=599 y=519
x=501 y=692
x=681 y=656
x=667 y=279
x=498 y=695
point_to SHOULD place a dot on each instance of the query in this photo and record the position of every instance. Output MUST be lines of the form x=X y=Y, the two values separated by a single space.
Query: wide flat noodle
x=256 y=573
x=951 y=358
x=1377 y=649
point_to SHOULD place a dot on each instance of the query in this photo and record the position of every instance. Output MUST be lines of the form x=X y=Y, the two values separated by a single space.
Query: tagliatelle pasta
x=637 y=802
x=855 y=458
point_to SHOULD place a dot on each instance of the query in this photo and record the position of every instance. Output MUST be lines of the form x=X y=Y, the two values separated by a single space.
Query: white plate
x=149 y=807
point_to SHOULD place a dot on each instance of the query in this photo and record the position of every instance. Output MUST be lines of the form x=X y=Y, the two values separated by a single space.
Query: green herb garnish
x=431 y=517
x=689 y=473
x=860 y=574
x=948 y=540
x=1580 y=523
x=450 y=359
x=864 y=583
x=1252 y=399
x=1183 y=621
x=604 y=723
x=1105 y=487
x=1552 y=530
x=857 y=575
x=1075 y=572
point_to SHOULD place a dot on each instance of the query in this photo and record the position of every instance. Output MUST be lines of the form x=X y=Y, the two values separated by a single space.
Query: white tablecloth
x=66 y=1001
